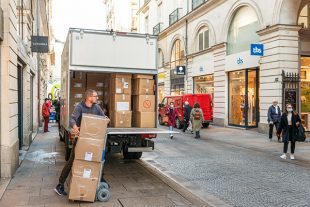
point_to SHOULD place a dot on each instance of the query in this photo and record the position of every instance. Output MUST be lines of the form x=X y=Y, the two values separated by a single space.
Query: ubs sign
x=39 y=44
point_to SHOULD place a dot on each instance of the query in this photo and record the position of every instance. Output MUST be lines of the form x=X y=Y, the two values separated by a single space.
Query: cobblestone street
x=239 y=167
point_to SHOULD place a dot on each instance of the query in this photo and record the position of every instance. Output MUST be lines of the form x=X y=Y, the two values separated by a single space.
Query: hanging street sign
x=39 y=44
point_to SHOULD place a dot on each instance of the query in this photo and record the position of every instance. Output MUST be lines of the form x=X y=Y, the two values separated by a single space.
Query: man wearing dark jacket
x=88 y=106
x=274 y=116
x=187 y=115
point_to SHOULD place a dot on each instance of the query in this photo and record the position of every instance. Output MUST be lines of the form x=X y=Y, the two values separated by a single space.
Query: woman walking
x=172 y=114
x=289 y=123
x=197 y=119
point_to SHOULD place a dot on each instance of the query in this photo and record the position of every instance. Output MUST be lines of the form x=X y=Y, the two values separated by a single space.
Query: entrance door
x=20 y=105
x=243 y=98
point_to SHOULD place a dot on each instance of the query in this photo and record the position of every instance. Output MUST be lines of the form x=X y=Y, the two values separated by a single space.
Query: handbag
x=301 y=135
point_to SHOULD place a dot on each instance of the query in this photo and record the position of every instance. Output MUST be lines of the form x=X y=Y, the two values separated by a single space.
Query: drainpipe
x=186 y=52
x=38 y=69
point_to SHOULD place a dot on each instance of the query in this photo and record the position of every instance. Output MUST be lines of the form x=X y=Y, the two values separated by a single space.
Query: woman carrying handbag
x=289 y=124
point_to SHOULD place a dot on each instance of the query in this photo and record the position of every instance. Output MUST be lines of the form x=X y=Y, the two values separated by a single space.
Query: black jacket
x=283 y=126
x=272 y=115
x=187 y=112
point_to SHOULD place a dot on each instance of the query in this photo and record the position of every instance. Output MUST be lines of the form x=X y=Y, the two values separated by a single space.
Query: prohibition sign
x=147 y=104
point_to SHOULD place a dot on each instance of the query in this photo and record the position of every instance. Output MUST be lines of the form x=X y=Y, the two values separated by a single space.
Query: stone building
x=22 y=78
x=214 y=40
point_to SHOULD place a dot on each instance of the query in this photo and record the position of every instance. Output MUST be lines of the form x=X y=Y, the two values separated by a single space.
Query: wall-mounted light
x=147 y=38
x=114 y=35
x=81 y=33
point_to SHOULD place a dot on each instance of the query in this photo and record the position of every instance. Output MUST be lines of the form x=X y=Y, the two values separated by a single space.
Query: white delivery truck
x=91 y=59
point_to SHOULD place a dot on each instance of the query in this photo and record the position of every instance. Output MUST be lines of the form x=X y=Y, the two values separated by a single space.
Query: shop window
x=204 y=84
x=304 y=16
x=242 y=31
x=177 y=59
x=203 y=40
x=305 y=92
x=160 y=59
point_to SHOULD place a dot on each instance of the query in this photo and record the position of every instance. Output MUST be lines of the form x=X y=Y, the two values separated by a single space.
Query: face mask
x=289 y=109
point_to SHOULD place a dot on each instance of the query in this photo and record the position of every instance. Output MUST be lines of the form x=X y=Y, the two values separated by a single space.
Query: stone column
x=220 y=94
x=281 y=45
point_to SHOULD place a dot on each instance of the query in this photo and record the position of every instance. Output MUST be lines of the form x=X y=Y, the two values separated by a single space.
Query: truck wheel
x=178 y=123
x=206 y=125
x=137 y=155
x=127 y=155
x=160 y=120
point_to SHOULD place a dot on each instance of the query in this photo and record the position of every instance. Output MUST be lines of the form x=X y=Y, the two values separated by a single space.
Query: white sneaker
x=292 y=157
x=283 y=156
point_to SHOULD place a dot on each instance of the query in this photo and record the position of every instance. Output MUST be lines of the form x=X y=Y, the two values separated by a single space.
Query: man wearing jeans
x=88 y=106
x=274 y=116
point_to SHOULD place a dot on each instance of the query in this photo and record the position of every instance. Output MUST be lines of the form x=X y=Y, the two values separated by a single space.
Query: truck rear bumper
x=140 y=149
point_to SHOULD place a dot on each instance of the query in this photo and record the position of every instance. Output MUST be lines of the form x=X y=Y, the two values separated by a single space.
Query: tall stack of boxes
x=97 y=82
x=120 y=101
x=143 y=101
x=86 y=169
x=78 y=88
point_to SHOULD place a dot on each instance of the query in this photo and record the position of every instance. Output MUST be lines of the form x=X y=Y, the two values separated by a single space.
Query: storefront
x=243 y=108
x=204 y=85
x=305 y=91
x=161 y=86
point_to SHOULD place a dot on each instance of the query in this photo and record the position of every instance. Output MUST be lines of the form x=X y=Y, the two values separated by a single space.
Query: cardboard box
x=75 y=75
x=143 y=76
x=121 y=84
x=144 y=103
x=120 y=102
x=93 y=126
x=86 y=169
x=82 y=189
x=143 y=87
x=120 y=119
x=89 y=149
x=143 y=119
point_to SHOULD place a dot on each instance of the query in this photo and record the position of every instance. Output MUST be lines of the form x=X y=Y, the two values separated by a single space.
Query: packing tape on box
x=123 y=97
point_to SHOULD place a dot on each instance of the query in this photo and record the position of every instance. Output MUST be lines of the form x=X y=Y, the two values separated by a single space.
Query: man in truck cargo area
x=88 y=106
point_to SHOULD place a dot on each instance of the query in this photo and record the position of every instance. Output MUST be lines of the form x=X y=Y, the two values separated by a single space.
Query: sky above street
x=88 y=14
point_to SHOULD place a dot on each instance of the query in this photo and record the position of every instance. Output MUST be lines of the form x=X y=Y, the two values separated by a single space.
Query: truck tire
x=160 y=120
x=127 y=155
x=137 y=155
x=178 y=123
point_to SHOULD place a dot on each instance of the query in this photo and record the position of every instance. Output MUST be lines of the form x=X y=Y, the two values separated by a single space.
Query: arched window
x=304 y=17
x=160 y=59
x=177 y=55
x=203 y=39
x=242 y=31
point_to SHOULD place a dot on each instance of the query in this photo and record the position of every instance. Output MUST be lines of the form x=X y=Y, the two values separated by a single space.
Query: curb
x=196 y=198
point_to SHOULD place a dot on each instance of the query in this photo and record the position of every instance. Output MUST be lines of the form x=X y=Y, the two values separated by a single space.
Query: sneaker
x=283 y=156
x=60 y=190
x=292 y=157
x=171 y=136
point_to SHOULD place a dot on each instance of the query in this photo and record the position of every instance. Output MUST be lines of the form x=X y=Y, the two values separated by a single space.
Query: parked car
x=205 y=101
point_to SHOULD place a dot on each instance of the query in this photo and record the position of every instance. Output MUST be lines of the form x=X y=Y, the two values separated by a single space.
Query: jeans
x=171 y=129
x=290 y=130
x=66 y=170
x=186 y=124
x=276 y=124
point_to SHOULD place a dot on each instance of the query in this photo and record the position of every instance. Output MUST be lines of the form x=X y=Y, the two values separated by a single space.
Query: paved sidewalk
x=254 y=140
x=132 y=185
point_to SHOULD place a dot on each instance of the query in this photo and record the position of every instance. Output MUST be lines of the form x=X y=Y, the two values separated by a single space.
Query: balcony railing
x=196 y=3
x=174 y=16
x=157 y=29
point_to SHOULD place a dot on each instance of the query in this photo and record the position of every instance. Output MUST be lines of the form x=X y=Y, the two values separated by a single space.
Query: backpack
x=197 y=114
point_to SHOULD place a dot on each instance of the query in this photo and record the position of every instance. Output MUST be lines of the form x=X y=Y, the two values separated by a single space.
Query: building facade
x=121 y=15
x=215 y=41
x=22 y=78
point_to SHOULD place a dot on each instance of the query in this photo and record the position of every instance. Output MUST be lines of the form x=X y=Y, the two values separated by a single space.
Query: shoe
x=171 y=136
x=192 y=132
x=60 y=190
x=292 y=157
x=283 y=156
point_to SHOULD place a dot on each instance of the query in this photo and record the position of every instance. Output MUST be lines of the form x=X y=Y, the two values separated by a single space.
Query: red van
x=204 y=100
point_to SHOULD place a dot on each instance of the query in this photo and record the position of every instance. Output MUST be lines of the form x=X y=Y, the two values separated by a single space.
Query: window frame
x=201 y=38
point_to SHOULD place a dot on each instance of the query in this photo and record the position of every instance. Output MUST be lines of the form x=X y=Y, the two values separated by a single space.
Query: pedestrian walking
x=187 y=115
x=289 y=123
x=56 y=104
x=172 y=114
x=197 y=119
x=274 y=116
x=46 y=114
x=88 y=106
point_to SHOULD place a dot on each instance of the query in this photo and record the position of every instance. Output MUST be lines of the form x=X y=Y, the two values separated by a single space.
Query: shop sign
x=257 y=49
x=180 y=70
x=201 y=69
x=39 y=44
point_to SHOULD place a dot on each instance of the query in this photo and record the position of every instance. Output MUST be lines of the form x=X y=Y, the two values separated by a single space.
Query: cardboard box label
x=118 y=90
x=126 y=84
x=122 y=106
x=78 y=95
x=88 y=156
x=87 y=173
x=99 y=84
x=77 y=85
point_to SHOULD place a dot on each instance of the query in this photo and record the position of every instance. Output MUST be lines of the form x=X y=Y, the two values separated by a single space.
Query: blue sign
x=257 y=49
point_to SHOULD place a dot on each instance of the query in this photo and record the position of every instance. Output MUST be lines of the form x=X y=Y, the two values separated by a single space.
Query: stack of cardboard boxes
x=97 y=82
x=120 y=101
x=143 y=101
x=78 y=88
x=86 y=169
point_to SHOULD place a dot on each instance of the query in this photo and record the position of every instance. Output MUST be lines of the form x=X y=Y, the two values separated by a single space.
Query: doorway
x=20 y=104
x=243 y=107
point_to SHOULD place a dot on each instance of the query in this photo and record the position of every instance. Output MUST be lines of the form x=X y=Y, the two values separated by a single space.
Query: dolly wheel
x=103 y=195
